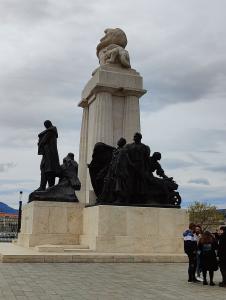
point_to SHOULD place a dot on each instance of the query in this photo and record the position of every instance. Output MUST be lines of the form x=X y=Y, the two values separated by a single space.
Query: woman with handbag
x=208 y=259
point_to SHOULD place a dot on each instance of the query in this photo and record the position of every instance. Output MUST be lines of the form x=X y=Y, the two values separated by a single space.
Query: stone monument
x=124 y=213
x=111 y=116
x=110 y=102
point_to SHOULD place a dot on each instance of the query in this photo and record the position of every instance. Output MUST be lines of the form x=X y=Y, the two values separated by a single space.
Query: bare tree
x=205 y=214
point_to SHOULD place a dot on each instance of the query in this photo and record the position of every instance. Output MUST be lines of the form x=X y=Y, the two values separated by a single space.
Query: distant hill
x=4 y=208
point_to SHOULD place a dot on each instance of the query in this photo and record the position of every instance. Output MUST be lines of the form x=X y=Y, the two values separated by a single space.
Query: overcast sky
x=178 y=46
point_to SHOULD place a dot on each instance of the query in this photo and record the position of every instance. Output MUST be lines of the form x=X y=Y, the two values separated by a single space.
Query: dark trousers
x=47 y=177
x=204 y=272
x=223 y=273
x=192 y=264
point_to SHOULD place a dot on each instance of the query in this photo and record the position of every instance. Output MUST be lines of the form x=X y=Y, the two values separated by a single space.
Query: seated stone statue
x=68 y=183
x=111 y=49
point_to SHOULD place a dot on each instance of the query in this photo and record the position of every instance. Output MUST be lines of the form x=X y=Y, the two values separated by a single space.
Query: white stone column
x=82 y=169
x=131 y=121
x=103 y=123
x=100 y=130
x=112 y=97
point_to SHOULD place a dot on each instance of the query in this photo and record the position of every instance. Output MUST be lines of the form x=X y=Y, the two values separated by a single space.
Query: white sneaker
x=199 y=278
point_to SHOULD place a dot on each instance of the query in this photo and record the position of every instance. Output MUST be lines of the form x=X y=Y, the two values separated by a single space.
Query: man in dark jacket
x=222 y=255
x=190 y=248
x=47 y=147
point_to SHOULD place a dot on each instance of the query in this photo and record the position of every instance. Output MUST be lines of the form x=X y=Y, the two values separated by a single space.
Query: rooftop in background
x=5 y=215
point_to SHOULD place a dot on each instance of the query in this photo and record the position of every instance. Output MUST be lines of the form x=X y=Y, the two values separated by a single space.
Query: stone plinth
x=45 y=222
x=123 y=229
x=110 y=103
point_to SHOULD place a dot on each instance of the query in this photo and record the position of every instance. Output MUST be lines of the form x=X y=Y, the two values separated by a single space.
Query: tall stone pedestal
x=110 y=103
x=124 y=229
x=55 y=223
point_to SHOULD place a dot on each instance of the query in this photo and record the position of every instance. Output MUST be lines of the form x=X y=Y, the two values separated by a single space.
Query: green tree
x=205 y=214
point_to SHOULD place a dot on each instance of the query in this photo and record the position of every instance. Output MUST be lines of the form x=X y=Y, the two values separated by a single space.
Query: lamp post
x=20 y=212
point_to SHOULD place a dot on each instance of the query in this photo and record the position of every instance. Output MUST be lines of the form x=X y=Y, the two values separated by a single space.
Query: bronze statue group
x=119 y=176
x=206 y=253
x=125 y=176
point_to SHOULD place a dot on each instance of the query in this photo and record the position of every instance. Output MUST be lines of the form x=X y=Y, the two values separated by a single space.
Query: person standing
x=222 y=255
x=198 y=234
x=208 y=246
x=47 y=147
x=190 y=248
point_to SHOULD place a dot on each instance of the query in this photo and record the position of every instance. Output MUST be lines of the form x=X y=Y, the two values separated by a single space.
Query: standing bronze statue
x=47 y=147
x=115 y=183
x=138 y=154
x=64 y=190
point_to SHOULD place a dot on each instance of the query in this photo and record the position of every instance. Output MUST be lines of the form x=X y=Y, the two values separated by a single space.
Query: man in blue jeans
x=190 y=248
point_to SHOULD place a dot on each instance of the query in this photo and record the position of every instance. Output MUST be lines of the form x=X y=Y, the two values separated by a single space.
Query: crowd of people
x=206 y=253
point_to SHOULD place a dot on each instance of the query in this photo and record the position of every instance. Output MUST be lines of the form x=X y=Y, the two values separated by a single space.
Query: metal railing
x=10 y=227
x=7 y=237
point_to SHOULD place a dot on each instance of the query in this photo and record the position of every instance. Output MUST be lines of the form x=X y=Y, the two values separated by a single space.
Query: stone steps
x=10 y=253
x=62 y=248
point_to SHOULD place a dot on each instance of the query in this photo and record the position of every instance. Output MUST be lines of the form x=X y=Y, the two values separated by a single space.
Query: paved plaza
x=102 y=281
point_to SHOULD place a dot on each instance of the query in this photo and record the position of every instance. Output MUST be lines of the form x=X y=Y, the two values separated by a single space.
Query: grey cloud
x=12 y=191
x=203 y=181
x=208 y=137
x=204 y=193
x=177 y=164
x=15 y=181
x=23 y=10
x=33 y=11
x=45 y=87
x=186 y=83
x=210 y=151
x=197 y=159
x=217 y=168
x=197 y=139
x=184 y=63
x=4 y=167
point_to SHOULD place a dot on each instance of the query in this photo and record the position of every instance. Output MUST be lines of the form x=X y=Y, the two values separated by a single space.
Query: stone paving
x=102 y=281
